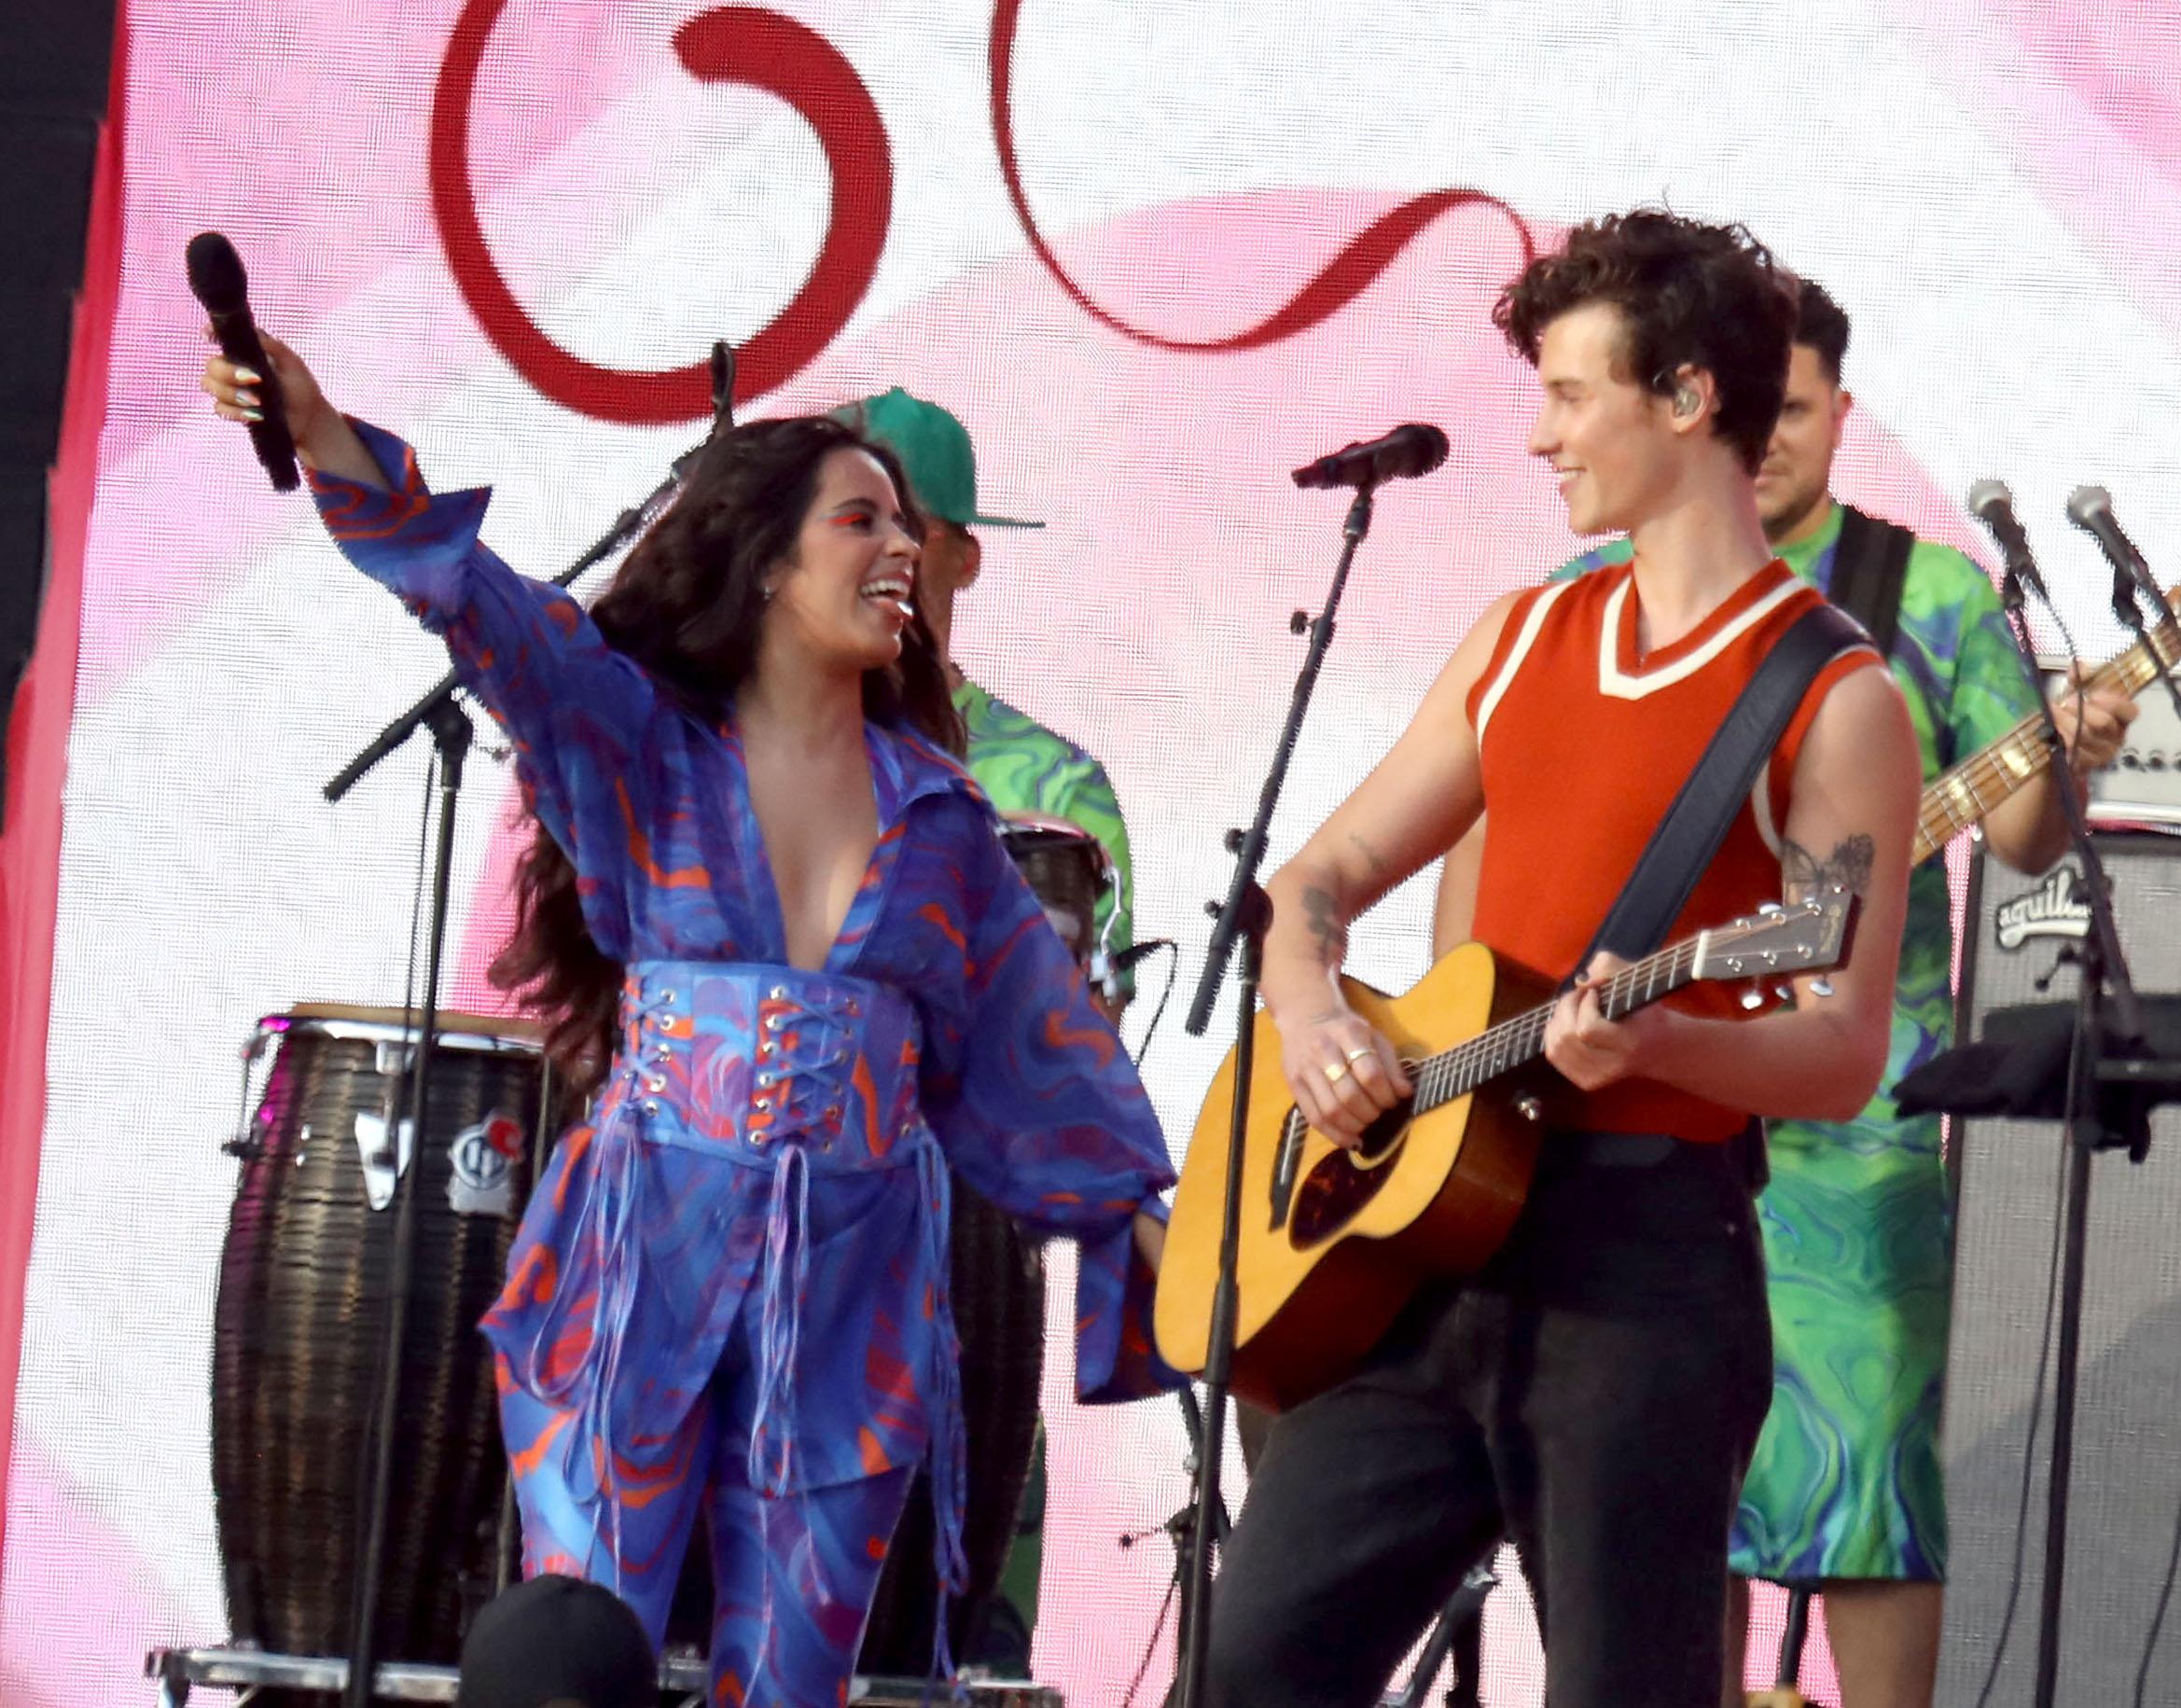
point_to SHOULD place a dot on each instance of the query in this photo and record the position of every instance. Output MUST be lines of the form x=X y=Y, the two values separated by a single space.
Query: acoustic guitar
x=1335 y=1241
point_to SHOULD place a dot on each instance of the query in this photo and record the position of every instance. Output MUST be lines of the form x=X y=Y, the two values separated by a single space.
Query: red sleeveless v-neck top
x=1584 y=745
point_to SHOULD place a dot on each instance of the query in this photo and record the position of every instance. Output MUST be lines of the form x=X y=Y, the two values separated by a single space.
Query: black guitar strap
x=1697 y=822
x=1869 y=564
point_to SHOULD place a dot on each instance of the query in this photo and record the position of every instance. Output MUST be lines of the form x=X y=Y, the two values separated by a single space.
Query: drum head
x=1069 y=869
x=333 y=1015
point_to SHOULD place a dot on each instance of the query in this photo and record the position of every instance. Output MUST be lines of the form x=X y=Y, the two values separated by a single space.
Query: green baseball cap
x=934 y=452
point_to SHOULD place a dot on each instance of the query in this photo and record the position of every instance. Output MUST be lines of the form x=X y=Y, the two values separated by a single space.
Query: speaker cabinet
x=2125 y=1496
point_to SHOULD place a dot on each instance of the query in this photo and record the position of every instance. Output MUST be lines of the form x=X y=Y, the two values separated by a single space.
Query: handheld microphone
x=1993 y=505
x=2091 y=508
x=1401 y=454
x=218 y=281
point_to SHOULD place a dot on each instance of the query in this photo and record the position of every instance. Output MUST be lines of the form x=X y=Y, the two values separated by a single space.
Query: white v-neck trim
x=1618 y=684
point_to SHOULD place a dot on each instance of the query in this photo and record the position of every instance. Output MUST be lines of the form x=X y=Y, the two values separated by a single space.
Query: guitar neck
x=1971 y=789
x=1517 y=1042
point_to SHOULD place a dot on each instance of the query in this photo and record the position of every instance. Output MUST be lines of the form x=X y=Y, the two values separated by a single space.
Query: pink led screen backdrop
x=1172 y=252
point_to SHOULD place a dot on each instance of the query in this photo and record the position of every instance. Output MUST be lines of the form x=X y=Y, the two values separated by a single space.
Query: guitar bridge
x=1286 y=1166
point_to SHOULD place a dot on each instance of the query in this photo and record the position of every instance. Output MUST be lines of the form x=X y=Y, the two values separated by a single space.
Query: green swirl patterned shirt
x=1025 y=768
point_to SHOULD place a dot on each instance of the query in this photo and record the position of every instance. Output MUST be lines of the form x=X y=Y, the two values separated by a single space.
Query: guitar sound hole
x=1334 y=1192
x=1383 y=1134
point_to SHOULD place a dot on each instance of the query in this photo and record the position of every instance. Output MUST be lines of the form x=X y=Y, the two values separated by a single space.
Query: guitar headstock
x=1779 y=940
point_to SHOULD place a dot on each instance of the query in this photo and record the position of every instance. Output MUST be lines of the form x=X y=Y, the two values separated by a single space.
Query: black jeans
x=1594 y=1394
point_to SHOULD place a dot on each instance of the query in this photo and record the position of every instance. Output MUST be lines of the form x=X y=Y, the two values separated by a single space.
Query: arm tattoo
x=1376 y=860
x=1802 y=874
x=1325 y=930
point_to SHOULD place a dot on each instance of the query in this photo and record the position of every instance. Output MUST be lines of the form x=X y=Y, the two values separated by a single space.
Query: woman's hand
x=323 y=439
x=1343 y=1073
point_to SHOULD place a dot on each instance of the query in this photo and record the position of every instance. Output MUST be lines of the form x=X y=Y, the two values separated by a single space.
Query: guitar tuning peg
x=1752 y=999
x=1770 y=910
x=1821 y=987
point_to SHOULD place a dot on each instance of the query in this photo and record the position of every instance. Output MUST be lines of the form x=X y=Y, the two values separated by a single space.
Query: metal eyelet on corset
x=651 y=1105
x=779 y=993
x=764 y=1103
x=854 y=1008
x=663 y=1052
x=765 y=1079
x=666 y=996
x=774 y=1022
x=655 y=1083
x=758 y=1139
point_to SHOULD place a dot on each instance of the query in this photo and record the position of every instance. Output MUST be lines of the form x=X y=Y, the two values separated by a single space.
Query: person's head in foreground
x=557 y=1642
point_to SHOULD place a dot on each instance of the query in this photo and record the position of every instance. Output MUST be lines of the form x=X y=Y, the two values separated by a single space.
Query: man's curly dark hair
x=1704 y=296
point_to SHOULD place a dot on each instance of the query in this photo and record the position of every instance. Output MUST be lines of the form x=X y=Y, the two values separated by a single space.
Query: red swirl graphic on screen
x=1339 y=283
x=731 y=44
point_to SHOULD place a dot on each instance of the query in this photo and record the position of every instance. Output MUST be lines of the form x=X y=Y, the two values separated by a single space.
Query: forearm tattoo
x=1802 y=874
x=1327 y=935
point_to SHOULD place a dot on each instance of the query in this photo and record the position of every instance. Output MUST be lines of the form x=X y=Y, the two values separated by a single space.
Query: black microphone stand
x=451 y=734
x=2129 y=573
x=1245 y=916
x=2105 y=983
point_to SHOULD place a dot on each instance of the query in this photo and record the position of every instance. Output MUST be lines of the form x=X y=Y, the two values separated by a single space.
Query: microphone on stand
x=722 y=410
x=218 y=281
x=1993 y=505
x=2091 y=508
x=722 y=385
x=1399 y=455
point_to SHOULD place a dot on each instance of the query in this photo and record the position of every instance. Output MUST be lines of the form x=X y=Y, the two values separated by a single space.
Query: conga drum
x=1070 y=871
x=300 y=1324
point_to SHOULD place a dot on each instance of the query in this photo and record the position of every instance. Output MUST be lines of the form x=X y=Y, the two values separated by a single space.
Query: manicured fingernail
x=248 y=400
x=253 y=414
x=247 y=376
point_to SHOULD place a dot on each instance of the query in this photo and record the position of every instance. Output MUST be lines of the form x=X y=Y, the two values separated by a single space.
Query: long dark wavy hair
x=687 y=605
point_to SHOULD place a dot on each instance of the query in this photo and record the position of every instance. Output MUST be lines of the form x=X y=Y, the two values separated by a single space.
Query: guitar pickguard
x=1334 y=1192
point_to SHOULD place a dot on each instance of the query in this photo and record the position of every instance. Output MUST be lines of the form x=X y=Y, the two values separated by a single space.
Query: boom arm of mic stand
x=625 y=527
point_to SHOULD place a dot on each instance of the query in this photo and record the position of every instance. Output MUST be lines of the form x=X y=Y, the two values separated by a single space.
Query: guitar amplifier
x=2125 y=1497
x=2143 y=786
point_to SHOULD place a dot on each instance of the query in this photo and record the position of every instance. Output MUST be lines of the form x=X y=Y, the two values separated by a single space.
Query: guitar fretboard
x=1965 y=793
x=1511 y=1043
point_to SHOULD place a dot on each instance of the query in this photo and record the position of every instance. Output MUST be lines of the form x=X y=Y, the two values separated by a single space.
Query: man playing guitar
x=1595 y=1391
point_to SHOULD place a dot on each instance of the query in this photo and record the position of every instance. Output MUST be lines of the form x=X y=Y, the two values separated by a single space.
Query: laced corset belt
x=798 y=1077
